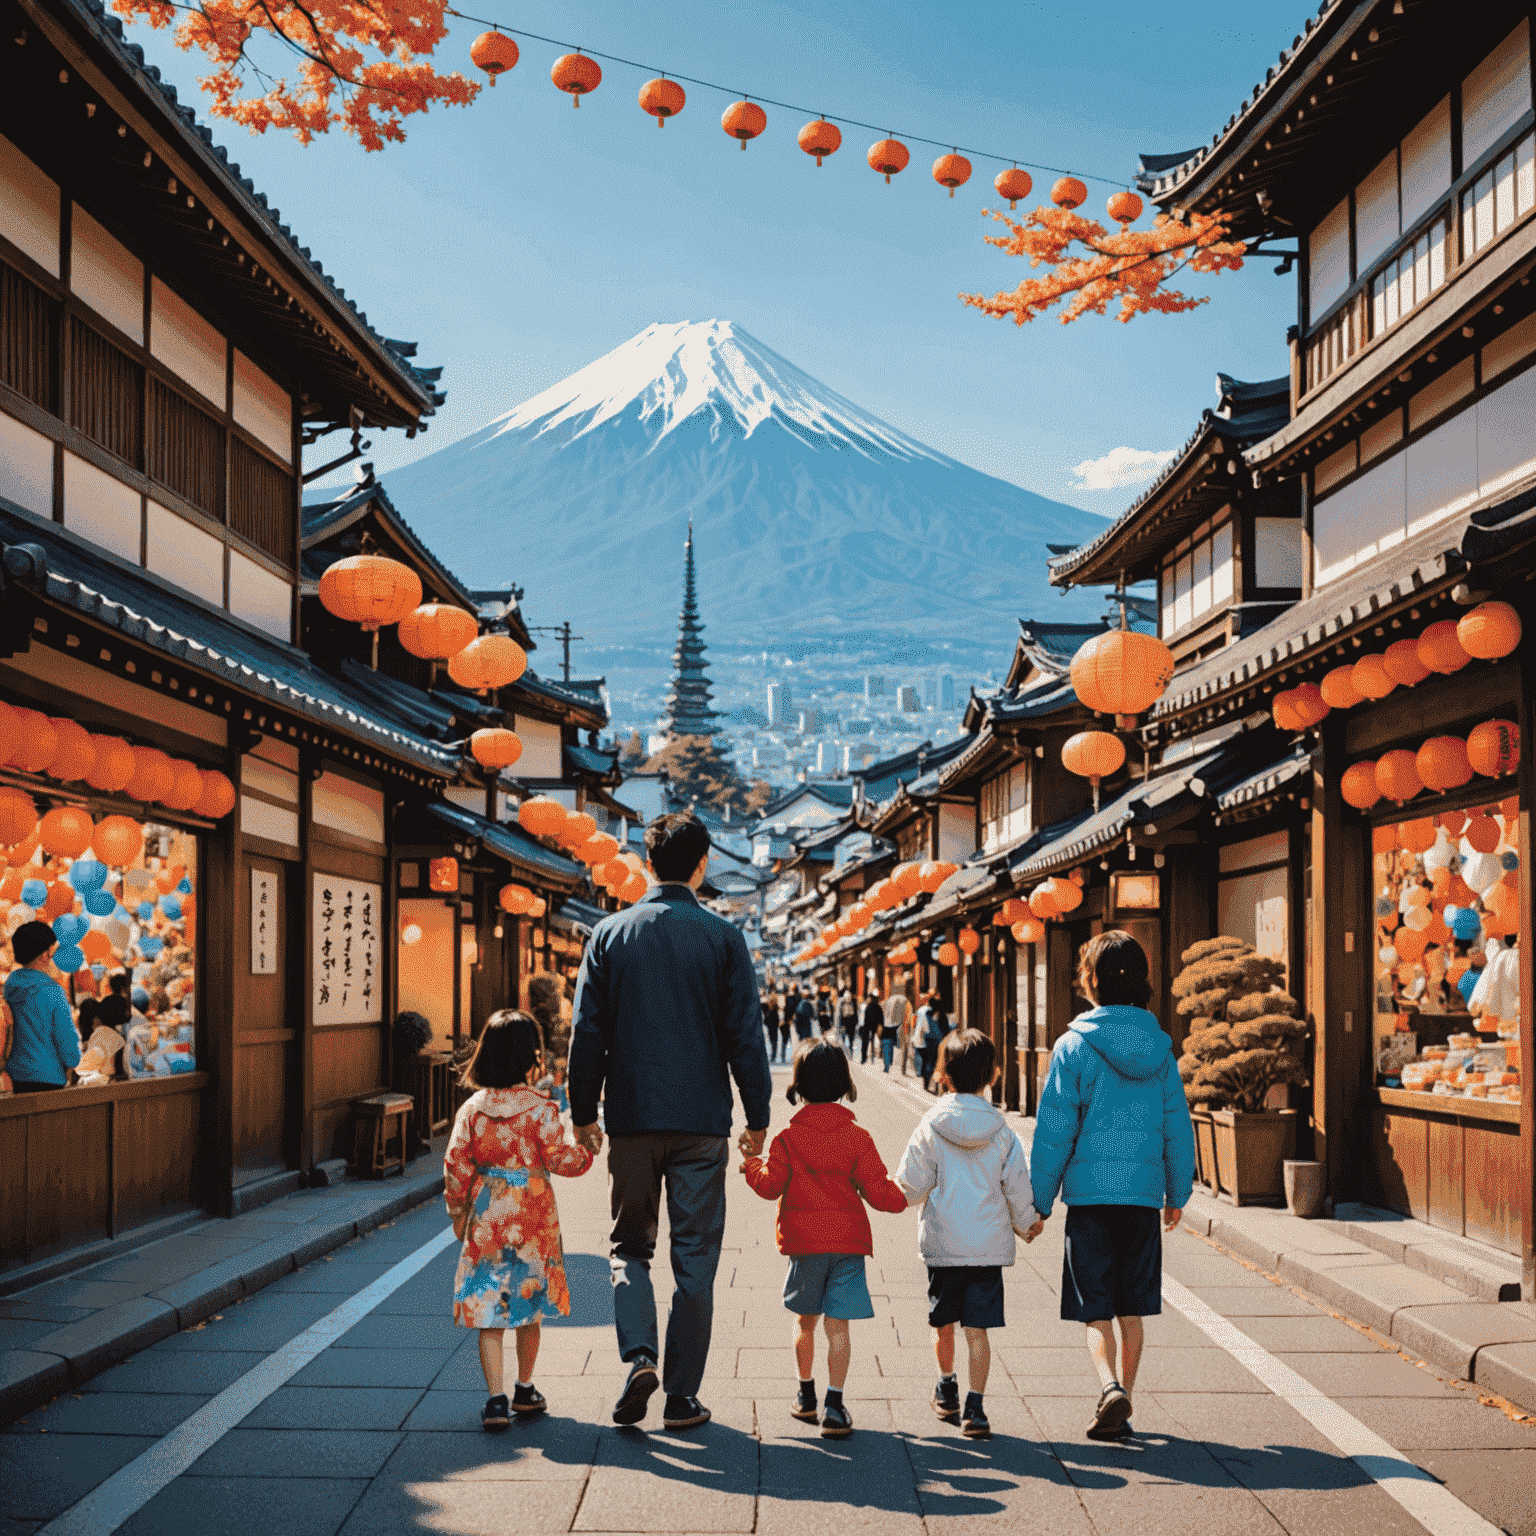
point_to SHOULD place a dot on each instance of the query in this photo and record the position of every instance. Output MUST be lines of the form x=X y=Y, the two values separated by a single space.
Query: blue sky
x=518 y=239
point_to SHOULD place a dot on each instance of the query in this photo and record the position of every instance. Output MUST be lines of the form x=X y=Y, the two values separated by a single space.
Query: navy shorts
x=1113 y=1266
x=971 y=1295
x=828 y=1285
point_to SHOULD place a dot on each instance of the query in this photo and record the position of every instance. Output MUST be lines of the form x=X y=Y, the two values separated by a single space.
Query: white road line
x=128 y=1490
x=1435 y=1507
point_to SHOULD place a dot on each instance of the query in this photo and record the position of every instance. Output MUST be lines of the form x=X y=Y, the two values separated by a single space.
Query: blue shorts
x=828 y=1285
x=968 y=1294
x=1113 y=1265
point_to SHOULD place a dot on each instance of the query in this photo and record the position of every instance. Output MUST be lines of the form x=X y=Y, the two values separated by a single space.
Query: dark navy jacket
x=666 y=1013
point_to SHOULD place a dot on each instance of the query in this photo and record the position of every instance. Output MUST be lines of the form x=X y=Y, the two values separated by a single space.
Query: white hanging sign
x=264 y=920
x=348 y=980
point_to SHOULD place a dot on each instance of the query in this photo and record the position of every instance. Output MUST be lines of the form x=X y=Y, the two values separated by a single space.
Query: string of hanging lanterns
x=578 y=73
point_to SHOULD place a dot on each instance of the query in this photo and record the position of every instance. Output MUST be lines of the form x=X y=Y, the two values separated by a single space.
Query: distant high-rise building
x=826 y=757
x=810 y=722
x=907 y=700
x=856 y=755
x=947 y=693
x=930 y=692
x=780 y=705
x=874 y=687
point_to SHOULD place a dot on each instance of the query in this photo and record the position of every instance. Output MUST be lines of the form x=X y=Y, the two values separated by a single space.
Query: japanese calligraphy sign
x=264 y=921
x=348 y=980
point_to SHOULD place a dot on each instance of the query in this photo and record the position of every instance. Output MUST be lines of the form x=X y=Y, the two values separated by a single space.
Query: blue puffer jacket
x=1113 y=1127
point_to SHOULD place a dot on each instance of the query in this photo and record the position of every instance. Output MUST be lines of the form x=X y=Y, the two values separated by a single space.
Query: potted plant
x=1245 y=1038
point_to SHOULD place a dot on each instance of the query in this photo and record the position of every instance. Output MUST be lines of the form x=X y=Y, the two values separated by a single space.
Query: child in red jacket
x=821 y=1169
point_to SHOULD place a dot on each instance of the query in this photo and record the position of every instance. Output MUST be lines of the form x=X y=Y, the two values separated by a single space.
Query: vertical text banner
x=263 y=922
x=347 y=952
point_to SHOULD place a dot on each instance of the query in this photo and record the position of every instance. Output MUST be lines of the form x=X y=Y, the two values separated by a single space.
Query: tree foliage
x=1130 y=267
x=1245 y=1036
x=362 y=65
x=698 y=769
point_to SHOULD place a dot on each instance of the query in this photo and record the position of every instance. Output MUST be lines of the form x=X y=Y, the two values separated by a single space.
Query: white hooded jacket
x=966 y=1168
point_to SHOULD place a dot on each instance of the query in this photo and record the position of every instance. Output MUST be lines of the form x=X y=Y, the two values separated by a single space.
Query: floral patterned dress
x=505 y=1144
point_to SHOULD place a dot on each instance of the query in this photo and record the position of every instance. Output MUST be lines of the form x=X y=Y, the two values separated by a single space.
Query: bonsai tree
x=544 y=996
x=1245 y=1036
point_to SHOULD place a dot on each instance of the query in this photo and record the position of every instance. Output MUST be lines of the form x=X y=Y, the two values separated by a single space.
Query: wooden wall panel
x=347 y=1062
x=264 y=1028
x=69 y=1172
x=1445 y=1166
x=13 y=1190
x=1494 y=1167
x=157 y=1168
x=260 y=1103
x=1400 y=1162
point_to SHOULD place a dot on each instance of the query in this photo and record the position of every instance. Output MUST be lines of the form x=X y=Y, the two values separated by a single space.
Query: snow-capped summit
x=671 y=373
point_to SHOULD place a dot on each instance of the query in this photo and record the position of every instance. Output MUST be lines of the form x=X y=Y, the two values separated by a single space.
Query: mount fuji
x=813 y=519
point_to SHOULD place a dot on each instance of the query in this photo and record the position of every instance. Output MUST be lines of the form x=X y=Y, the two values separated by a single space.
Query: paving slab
x=1370 y=1291
x=114 y=1413
x=297 y=1453
x=108 y=1336
x=1357 y=1375
x=42 y=1475
x=1459 y=1423
x=1314 y=1333
x=162 y=1370
x=28 y=1378
x=1451 y=1334
x=548 y=1449
x=465 y=1508
x=1500 y=1484
x=248 y=1506
x=380 y=1408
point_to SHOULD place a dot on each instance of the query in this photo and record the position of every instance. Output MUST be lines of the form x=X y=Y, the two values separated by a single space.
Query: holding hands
x=590 y=1137
x=1035 y=1230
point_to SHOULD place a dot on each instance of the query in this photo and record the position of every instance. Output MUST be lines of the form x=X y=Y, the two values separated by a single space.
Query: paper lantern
x=217 y=798
x=860 y=913
x=1358 y=786
x=59 y=898
x=888 y=157
x=436 y=631
x=1493 y=748
x=443 y=875
x=949 y=954
x=662 y=98
x=494 y=52
x=1483 y=834
x=613 y=874
x=1489 y=631
x=70 y=928
x=76 y=752
x=577 y=828
x=118 y=841
x=492 y=661
x=1042 y=902
x=1069 y=192
x=66 y=831
x=100 y=903
x=153 y=775
x=186 y=787
x=1397 y=776
x=67 y=959
x=1067 y=894
x=1121 y=672
x=882 y=895
x=1338 y=689
x=1415 y=896
x=907 y=878
x=10 y=733
x=1403 y=665
x=1418 y=836
x=598 y=849
x=539 y=907
x=18 y=817
x=1443 y=763
x=1439 y=649
x=968 y=940
x=1028 y=930
x=495 y=747
x=1371 y=678
x=1481 y=871
x=39 y=741
x=934 y=873
x=87 y=874
x=1013 y=184
x=95 y=946
x=1093 y=755
x=1410 y=944
x=952 y=170
x=634 y=889
x=577 y=75
x=1124 y=208
x=541 y=816
x=1504 y=901
x=369 y=590
x=820 y=138
x=113 y=766
x=515 y=899
x=743 y=120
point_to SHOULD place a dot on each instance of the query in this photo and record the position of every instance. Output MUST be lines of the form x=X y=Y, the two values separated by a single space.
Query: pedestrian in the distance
x=822 y=1168
x=805 y=1017
x=934 y=1023
x=507 y=1140
x=966 y=1168
x=869 y=1027
x=848 y=1018
x=46 y=1047
x=825 y=1010
x=666 y=1015
x=898 y=1028
x=771 y=1024
x=1113 y=1136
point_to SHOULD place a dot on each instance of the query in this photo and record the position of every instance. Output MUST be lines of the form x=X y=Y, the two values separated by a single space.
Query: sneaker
x=643 y=1381
x=945 y=1401
x=973 y=1422
x=495 y=1414
x=836 y=1422
x=684 y=1413
x=805 y=1408
x=1112 y=1414
x=528 y=1402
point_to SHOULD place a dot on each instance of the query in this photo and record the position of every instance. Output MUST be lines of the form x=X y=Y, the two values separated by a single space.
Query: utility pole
x=564 y=632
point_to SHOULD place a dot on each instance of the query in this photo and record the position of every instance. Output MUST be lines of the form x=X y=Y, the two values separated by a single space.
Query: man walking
x=898 y=1021
x=666 y=1013
x=869 y=1027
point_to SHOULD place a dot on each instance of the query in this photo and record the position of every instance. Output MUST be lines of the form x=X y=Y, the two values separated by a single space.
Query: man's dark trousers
x=693 y=1170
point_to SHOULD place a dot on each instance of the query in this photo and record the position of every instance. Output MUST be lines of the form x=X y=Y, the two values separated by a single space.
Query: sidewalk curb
x=74 y=1353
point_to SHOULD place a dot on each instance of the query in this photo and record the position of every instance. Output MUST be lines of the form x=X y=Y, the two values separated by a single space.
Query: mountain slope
x=812 y=516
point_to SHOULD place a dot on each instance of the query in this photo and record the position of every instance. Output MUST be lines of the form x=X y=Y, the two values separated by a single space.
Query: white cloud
x=1120 y=467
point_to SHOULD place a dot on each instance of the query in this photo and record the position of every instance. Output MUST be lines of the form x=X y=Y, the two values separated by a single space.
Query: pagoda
x=687 y=711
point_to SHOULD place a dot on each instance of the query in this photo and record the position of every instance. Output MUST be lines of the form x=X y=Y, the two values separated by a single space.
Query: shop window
x=1505 y=192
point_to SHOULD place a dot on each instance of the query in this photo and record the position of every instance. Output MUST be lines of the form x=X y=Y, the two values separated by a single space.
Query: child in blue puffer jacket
x=1113 y=1136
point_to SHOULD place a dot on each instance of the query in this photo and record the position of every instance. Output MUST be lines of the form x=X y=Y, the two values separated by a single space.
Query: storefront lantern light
x=1493 y=748
x=411 y=933
x=1489 y=631
x=370 y=591
x=18 y=817
x=443 y=875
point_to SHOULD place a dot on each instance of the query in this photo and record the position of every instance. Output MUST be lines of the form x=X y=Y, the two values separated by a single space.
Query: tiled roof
x=588 y=760
x=1269 y=778
x=508 y=840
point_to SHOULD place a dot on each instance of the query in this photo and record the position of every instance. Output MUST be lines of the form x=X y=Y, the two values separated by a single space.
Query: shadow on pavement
x=591 y=1286
x=1207 y=1464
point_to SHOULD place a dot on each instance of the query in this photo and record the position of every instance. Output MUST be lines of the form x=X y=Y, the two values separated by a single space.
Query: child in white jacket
x=967 y=1169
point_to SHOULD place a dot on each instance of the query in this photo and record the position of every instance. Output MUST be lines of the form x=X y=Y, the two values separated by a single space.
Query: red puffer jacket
x=821 y=1169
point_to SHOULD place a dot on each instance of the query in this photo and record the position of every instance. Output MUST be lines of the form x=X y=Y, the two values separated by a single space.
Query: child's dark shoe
x=684 y=1413
x=806 y=1408
x=973 y=1421
x=836 y=1421
x=528 y=1402
x=945 y=1401
x=643 y=1382
x=495 y=1414
x=1112 y=1414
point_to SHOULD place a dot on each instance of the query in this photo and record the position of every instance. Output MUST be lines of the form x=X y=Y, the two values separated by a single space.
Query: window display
x=1447 y=962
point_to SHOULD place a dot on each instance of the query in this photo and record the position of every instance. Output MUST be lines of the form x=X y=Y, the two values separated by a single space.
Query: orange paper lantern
x=1042 y=902
x=436 y=631
x=186 y=787
x=76 y=752
x=952 y=170
x=968 y=940
x=1493 y=748
x=114 y=764
x=541 y=816
x=496 y=747
x=1443 y=763
x=18 y=818
x=370 y=590
x=66 y=831
x=1483 y=833
x=1338 y=689
x=820 y=138
x=934 y=873
x=153 y=774
x=1069 y=192
x=1410 y=944
x=1489 y=631
x=634 y=889
x=577 y=75
x=118 y=841
x=1013 y=184
x=96 y=947
x=1358 y=786
x=515 y=899
x=1067 y=894
x=888 y=157
x=492 y=661
x=949 y=954
x=217 y=799
x=1440 y=650
x=1121 y=672
x=662 y=98
x=539 y=907
x=494 y=52
x=1418 y=836
x=1093 y=754
x=39 y=741
x=10 y=734
x=59 y=900
x=1371 y=678
x=598 y=849
x=1397 y=776
x=443 y=875
x=1124 y=208
x=743 y=120
x=907 y=878
x=1403 y=665
x=1028 y=930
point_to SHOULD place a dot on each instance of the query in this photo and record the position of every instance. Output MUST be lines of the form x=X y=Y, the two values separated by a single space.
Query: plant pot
x=1205 y=1149
x=1305 y=1185
x=1250 y=1149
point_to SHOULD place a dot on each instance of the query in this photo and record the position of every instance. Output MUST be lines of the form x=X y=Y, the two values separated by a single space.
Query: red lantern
x=662 y=98
x=39 y=741
x=1067 y=894
x=492 y=661
x=153 y=775
x=436 y=631
x=1042 y=902
x=217 y=799
x=1440 y=650
x=66 y=831
x=443 y=875
x=1013 y=184
x=1483 y=833
x=1028 y=930
x=820 y=138
x=496 y=747
x=118 y=841
x=888 y=156
x=934 y=873
x=577 y=75
x=1443 y=763
x=949 y=954
x=1338 y=689
x=743 y=120
x=968 y=940
x=186 y=787
x=1124 y=208
x=1493 y=748
x=1403 y=663
x=1418 y=836
x=1121 y=672
x=1069 y=192
x=1359 y=787
x=76 y=754
x=494 y=52
x=114 y=765
x=952 y=170
x=1489 y=631
x=539 y=907
x=18 y=817
x=1397 y=776
x=515 y=899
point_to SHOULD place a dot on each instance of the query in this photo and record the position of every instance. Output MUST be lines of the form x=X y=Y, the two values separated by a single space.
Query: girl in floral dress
x=507 y=1140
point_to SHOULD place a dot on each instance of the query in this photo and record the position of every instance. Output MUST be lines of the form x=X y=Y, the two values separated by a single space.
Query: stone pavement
x=379 y=1431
